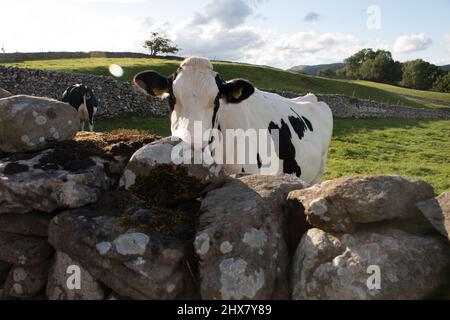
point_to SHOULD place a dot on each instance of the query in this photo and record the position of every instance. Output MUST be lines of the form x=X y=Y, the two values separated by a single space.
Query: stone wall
x=118 y=99
x=190 y=231
x=114 y=211
x=350 y=107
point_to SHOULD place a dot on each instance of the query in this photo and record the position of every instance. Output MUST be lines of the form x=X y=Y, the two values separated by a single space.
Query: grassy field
x=419 y=94
x=414 y=148
x=263 y=77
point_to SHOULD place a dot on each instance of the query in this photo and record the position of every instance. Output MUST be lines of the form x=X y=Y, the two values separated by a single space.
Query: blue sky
x=280 y=33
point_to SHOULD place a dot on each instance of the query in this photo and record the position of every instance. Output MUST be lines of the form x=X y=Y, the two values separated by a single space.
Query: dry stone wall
x=115 y=211
x=119 y=99
x=116 y=99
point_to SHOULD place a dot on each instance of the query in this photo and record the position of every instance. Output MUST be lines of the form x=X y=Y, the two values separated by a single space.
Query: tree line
x=366 y=64
x=379 y=66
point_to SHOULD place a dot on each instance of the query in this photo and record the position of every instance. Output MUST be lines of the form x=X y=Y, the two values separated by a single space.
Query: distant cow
x=196 y=93
x=82 y=98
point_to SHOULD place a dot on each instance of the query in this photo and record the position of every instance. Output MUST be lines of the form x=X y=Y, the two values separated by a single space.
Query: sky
x=279 y=33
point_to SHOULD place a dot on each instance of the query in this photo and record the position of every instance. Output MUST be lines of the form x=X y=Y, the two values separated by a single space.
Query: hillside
x=432 y=99
x=312 y=70
x=263 y=77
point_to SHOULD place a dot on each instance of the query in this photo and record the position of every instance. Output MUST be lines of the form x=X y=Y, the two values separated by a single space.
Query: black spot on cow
x=300 y=124
x=258 y=161
x=215 y=110
x=172 y=98
x=14 y=168
x=286 y=150
x=308 y=123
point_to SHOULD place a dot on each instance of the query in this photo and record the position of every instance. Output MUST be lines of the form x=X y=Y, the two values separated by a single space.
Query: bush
x=372 y=65
x=442 y=83
x=419 y=74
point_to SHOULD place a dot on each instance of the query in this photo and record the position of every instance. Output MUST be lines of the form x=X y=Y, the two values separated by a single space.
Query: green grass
x=435 y=97
x=160 y=126
x=411 y=92
x=414 y=148
x=261 y=76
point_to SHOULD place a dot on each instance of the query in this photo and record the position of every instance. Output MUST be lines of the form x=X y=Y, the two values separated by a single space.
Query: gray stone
x=240 y=243
x=162 y=161
x=57 y=285
x=31 y=123
x=31 y=224
x=37 y=183
x=26 y=281
x=346 y=266
x=137 y=264
x=437 y=211
x=343 y=204
x=23 y=250
x=4 y=93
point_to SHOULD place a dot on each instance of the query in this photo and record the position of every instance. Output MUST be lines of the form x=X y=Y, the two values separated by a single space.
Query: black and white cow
x=82 y=98
x=196 y=93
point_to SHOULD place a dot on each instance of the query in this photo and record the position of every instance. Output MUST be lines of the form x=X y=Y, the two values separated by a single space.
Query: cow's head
x=195 y=92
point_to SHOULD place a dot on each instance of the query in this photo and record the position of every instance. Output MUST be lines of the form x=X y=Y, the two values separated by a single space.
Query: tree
x=159 y=43
x=419 y=74
x=326 y=72
x=442 y=83
x=372 y=65
x=352 y=65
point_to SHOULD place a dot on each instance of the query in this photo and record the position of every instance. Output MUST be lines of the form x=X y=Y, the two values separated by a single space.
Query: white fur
x=261 y=108
x=195 y=90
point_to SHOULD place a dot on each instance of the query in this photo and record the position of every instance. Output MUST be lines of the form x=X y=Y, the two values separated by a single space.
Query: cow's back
x=305 y=124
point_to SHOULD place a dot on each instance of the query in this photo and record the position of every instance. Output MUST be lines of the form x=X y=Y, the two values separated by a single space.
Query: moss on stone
x=167 y=184
x=170 y=222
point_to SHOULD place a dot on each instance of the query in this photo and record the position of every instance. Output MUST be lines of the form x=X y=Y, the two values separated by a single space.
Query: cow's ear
x=152 y=83
x=237 y=90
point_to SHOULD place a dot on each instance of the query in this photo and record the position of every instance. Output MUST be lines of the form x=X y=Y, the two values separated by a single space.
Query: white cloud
x=447 y=40
x=220 y=32
x=213 y=32
x=411 y=43
x=228 y=13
